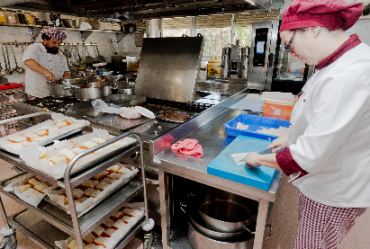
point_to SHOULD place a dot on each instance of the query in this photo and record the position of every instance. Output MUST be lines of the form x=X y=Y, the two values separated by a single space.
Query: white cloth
x=36 y=82
x=329 y=132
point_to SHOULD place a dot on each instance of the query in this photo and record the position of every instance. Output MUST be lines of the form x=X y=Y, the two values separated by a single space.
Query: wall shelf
x=35 y=30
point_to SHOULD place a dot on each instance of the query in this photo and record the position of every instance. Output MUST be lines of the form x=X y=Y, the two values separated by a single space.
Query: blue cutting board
x=224 y=165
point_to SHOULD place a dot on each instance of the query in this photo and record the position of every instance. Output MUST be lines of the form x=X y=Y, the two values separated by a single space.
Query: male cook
x=44 y=62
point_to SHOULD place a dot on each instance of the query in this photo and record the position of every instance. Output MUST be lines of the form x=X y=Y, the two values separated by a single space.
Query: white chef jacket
x=36 y=82
x=329 y=136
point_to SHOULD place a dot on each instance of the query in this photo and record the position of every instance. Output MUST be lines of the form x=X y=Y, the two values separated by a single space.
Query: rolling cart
x=46 y=223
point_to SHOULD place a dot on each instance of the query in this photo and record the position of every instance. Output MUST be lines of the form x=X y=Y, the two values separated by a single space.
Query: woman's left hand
x=252 y=159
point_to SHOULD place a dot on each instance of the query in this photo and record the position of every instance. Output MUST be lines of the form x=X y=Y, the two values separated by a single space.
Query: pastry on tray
x=94 y=188
x=111 y=231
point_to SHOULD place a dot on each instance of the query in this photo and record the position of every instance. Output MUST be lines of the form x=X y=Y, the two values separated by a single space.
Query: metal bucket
x=199 y=241
x=223 y=211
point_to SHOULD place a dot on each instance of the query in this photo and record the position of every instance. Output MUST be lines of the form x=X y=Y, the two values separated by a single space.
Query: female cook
x=327 y=149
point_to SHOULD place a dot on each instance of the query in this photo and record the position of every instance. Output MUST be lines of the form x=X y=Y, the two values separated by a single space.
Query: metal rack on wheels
x=46 y=223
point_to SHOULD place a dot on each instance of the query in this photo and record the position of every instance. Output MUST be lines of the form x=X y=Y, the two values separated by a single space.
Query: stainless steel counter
x=213 y=138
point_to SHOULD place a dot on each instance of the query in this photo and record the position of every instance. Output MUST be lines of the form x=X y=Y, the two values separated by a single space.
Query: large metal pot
x=223 y=211
x=195 y=220
x=90 y=91
x=199 y=241
x=61 y=88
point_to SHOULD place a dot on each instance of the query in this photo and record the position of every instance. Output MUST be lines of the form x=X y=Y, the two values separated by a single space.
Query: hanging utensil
x=6 y=71
x=17 y=68
x=89 y=60
x=82 y=58
x=96 y=55
x=10 y=71
x=66 y=51
x=100 y=58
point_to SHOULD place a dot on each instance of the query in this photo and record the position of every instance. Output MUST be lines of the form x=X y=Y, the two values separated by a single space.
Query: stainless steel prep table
x=212 y=136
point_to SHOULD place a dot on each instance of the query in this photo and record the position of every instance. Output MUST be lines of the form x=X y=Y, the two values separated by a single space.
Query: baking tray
x=99 y=213
x=77 y=168
x=82 y=124
x=47 y=142
x=102 y=198
x=177 y=112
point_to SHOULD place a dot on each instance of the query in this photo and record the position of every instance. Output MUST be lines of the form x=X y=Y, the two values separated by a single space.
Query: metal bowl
x=69 y=23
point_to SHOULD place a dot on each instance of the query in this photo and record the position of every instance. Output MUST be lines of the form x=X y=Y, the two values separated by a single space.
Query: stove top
x=53 y=104
x=197 y=106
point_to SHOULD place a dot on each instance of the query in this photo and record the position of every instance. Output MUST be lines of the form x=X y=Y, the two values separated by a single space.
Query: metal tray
x=48 y=200
x=35 y=229
x=175 y=121
x=49 y=141
x=88 y=164
x=88 y=221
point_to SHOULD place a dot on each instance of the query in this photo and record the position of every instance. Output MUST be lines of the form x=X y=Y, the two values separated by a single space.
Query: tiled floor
x=283 y=219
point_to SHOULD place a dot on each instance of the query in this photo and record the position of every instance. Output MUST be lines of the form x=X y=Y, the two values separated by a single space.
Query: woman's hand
x=280 y=143
x=252 y=159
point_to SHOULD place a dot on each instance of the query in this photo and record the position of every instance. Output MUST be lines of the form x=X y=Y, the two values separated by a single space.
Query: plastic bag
x=124 y=112
x=101 y=106
x=129 y=113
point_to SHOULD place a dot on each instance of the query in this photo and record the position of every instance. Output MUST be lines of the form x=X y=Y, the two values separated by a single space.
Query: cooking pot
x=201 y=226
x=126 y=91
x=90 y=91
x=223 y=211
x=199 y=241
x=60 y=89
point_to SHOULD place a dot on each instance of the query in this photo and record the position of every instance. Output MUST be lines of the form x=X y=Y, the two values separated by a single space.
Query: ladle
x=6 y=71
x=2 y=73
x=100 y=58
x=66 y=51
x=89 y=60
x=10 y=70
x=17 y=68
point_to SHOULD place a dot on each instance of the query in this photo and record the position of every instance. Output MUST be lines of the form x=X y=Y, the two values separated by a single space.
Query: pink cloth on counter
x=189 y=147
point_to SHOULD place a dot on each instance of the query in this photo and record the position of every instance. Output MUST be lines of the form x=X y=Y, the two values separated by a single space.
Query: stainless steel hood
x=140 y=9
x=169 y=67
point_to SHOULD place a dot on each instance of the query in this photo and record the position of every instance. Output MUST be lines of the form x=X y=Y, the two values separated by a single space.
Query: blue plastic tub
x=255 y=123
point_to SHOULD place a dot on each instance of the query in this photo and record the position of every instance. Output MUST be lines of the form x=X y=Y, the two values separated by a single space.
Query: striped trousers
x=321 y=226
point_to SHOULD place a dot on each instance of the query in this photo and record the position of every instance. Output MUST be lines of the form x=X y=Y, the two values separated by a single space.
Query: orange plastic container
x=277 y=105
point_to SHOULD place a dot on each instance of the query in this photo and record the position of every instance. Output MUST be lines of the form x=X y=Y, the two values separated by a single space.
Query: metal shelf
x=90 y=220
x=85 y=33
x=60 y=28
x=35 y=229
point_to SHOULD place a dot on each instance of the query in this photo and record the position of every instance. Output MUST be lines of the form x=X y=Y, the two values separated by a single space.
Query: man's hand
x=66 y=75
x=33 y=65
x=50 y=76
